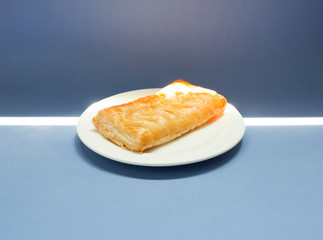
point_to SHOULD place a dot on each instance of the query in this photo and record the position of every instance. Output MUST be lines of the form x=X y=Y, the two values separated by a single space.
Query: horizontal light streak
x=284 y=121
x=38 y=121
x=72 y=121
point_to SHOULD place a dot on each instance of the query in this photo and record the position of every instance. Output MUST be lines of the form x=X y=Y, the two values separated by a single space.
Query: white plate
x=207 y=141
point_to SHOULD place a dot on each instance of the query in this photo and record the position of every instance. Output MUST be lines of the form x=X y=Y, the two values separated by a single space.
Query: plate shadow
x=152 y=173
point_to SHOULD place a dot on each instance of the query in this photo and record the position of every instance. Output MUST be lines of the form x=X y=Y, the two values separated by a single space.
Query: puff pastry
x=159 y=118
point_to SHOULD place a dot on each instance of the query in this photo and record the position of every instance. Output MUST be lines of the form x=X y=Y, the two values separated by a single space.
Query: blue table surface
x=270 y=186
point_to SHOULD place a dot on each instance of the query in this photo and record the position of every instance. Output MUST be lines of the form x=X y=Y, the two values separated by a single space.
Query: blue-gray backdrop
x=57 y=57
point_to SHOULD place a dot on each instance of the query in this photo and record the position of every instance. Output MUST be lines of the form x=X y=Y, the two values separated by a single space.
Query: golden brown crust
x=158 y=118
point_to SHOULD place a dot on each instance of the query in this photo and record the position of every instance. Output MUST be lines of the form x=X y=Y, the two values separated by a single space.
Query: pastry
x=159 y=118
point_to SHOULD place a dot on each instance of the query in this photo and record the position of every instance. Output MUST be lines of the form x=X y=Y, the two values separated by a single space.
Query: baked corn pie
x=159 y=118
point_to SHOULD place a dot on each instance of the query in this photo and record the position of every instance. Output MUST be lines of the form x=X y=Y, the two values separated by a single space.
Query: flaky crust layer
x=158 y=118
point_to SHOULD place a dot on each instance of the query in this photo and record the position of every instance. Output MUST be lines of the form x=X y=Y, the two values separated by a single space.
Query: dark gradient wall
x=57 y=57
